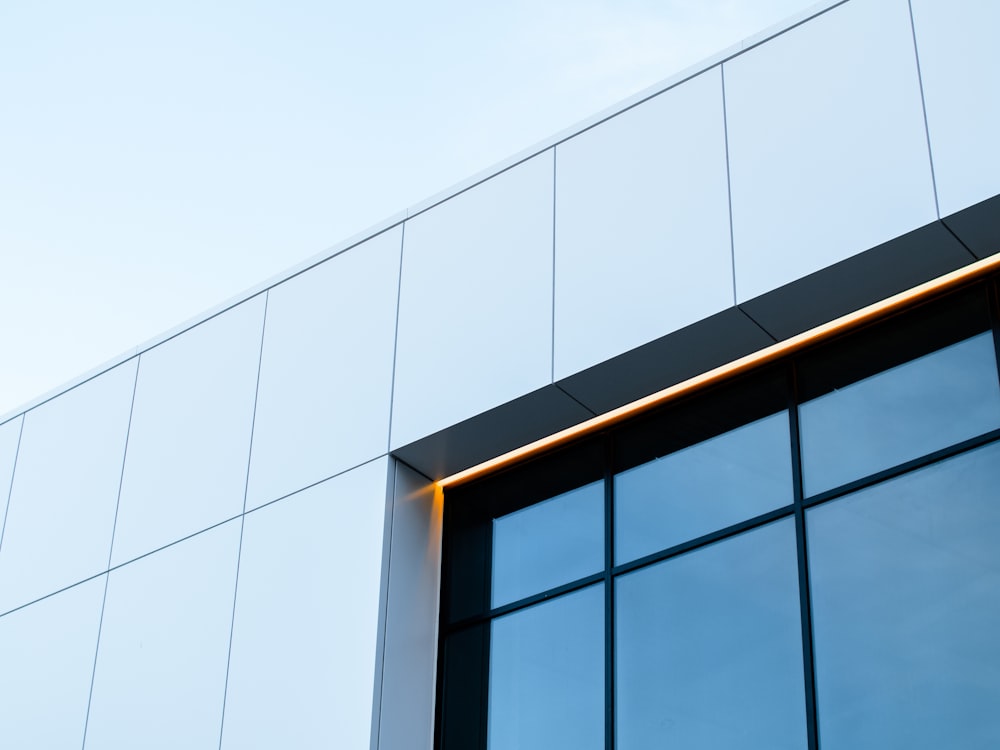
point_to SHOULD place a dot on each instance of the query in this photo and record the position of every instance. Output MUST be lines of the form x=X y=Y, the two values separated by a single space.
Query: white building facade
x=232 y=537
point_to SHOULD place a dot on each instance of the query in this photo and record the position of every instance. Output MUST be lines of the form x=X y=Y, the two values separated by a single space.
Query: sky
x=158 y=158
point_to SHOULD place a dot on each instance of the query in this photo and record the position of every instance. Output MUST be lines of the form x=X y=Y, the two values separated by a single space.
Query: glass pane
x=904 y=579
x=547 y=675
x=900 y=414
x=548 y=544
x=701 y=489
x=709 y=648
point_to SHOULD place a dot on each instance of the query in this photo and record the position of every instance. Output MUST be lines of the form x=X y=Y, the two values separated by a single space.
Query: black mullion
x=704 y=540
x=487 y=638
x=906 y=467
x=442 y=674
x=528 y=601
x=794 y=365
x=609 y=598
x=993 y=295
x=805 y=603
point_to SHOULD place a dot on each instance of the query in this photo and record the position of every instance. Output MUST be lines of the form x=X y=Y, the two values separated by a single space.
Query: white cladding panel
x=305 y=633
x=642 y=225
x=189 y=443
x=160 y=674
x=62 y=504
x=406 y=720
x=326 y=370
x=47 y=653
x=960 y=68
x=827 y=144
x=612 y=239
x=475 y=310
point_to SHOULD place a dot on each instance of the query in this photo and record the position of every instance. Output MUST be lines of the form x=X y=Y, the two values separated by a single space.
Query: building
x=232 y=537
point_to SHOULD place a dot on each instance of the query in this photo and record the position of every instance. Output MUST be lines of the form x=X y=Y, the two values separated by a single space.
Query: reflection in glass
x=547 y=675
x=701 y=489
x=904 y=579
x=709 y=648
x=900 y=414
x=548 y=544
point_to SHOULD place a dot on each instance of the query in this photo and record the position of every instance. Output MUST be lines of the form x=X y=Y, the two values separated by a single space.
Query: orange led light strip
x=855 y=319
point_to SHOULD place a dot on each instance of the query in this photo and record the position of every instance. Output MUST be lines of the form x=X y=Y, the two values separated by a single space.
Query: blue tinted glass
x=547 y=675
x=709 y=648
x=900 y=414
x=905 y=581
x=548 y=544
x=701 y=489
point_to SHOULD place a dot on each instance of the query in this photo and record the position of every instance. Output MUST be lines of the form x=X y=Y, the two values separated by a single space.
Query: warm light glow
x=756 y=359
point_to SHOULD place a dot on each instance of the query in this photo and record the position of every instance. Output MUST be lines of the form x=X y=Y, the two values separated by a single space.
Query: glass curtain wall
x=804 y=557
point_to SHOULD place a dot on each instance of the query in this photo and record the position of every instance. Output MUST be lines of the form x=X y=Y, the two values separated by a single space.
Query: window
x=806 y=554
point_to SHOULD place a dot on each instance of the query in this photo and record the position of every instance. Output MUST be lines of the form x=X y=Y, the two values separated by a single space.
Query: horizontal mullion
x=679 y=549
x=729 y=531
x=527 y=601
x=904 y=468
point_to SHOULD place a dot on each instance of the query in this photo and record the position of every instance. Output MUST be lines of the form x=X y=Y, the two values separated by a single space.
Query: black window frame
x=818 y=367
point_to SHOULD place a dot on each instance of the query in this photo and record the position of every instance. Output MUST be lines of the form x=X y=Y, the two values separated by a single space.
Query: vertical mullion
x=808 y=660
x=444 y=593
x=993 y=297
x=609 y=597
x=484 y=718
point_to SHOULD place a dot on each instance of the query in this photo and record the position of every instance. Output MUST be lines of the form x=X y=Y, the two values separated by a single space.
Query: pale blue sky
x=159 y=158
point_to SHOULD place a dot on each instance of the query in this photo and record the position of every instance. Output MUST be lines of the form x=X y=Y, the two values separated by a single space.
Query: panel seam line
x=111 y=549
x=552 y=339
x=243 y=518
x=729 y=180
x=10 y=487
x=575 y=399
x=923 y=109
x=395 y=336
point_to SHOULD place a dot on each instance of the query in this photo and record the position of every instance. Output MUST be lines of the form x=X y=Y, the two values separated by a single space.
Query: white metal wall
x=209 y=544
